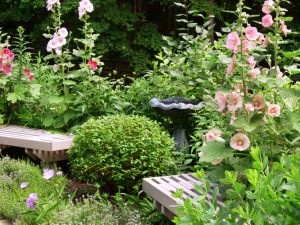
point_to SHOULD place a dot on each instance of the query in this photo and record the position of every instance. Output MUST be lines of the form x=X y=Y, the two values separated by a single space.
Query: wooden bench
x=162 y=188
x=38 y=144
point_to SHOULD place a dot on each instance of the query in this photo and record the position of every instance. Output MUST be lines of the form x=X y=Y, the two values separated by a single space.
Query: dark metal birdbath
x=178 y=109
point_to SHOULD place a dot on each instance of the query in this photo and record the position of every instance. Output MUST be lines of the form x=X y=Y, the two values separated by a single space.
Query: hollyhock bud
x=284 y=28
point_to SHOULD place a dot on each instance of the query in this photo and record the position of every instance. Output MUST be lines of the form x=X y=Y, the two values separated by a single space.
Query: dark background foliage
x=130 y=30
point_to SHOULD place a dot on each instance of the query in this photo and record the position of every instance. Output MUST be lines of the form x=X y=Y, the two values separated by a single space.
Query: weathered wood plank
x=34 y=139
x=161 y=189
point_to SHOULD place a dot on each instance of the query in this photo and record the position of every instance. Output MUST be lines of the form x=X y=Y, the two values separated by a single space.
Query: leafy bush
x=120 y=150
x=266 y=194
x=13 y=197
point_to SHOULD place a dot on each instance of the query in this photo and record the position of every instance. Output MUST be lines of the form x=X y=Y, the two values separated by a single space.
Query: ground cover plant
x=25 y=187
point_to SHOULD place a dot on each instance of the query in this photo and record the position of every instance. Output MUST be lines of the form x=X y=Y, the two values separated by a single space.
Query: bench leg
x=163 y=210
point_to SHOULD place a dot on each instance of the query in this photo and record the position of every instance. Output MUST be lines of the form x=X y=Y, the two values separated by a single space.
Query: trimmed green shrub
x=120 y=150
x=13 y=197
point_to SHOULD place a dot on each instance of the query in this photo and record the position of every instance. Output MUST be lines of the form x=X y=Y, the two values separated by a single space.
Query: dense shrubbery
x=121 y=150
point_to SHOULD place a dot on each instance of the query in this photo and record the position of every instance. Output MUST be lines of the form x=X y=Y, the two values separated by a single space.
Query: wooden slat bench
x=162 y=188
x=38 y=144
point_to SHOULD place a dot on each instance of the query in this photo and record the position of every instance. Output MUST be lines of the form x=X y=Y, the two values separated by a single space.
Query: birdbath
x=178 y=109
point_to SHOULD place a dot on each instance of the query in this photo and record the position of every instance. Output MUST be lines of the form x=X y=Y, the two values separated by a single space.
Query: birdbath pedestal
x=178 y=109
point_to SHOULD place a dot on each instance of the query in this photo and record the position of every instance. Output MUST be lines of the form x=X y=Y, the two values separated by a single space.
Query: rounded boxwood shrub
x=120 y=150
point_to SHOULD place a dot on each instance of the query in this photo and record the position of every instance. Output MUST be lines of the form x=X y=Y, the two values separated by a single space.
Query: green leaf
x=291 y=54
x=230 y=177
x=250 y=195
x=215 y=150
x=252 y=176
x=69 y=82
x=35 y=90
x=14 y=97
x=293 y=70
x=178 y=193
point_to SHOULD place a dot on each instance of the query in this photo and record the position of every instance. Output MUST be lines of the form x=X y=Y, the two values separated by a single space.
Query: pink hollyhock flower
x=248 y=45
x=81 y=12
x=92 y=64
x=274 y=110
x=31 y=77
x=233 y=118
x=52 y=44
x=58 y=51
x=10 y=56
x=60 y=41
x=216 y=161
x=268 y=6
x=85 y=6
x=24 y=185
x=251 y=33
x=267 y=21
x=201 y=154
x=220 y=98
x=249 y=107
x=284 y=28
x=234 y=101
x=260 y=38
x=233 y=41
x=32 y=200
x=7 y=68
x=265 y=42
x=48 y=174
x=51 y=3
x=230 y=68
x=5 y=51
x=239 y=142
x=26 y=72
x=258 y=102
x=214 y=135
x=254 y=73
x=63 y=32
x=279 y=74
x=251 y=62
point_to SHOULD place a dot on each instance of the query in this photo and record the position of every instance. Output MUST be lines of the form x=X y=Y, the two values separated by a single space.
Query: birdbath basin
x=178 y=109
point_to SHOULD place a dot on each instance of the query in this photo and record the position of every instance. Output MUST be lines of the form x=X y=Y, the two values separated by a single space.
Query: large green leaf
x=290 y=96
x=215 y=150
